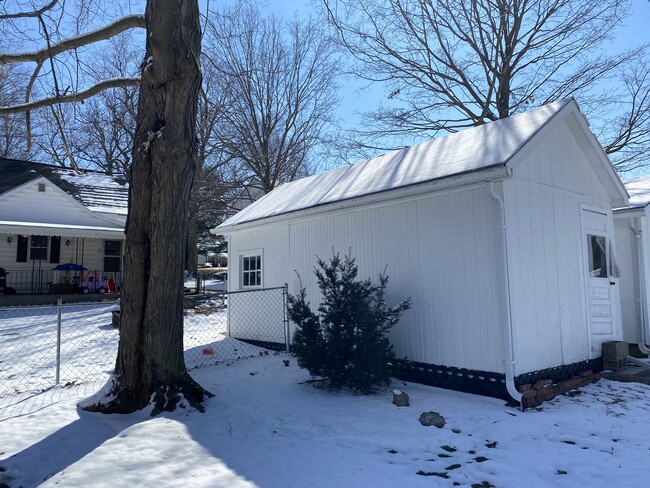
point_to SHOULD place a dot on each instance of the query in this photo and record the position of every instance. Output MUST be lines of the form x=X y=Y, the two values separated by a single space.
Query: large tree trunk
x=150 y=355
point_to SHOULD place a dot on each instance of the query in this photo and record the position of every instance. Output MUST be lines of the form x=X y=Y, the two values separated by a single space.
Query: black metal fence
x=39 y=281
x=77 y=343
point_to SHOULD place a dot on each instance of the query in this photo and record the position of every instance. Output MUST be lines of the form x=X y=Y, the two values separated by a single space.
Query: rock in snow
x=432 y=418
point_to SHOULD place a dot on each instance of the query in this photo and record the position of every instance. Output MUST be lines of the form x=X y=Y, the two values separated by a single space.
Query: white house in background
x=51 y=216
x=632 y=226
x=500 y=234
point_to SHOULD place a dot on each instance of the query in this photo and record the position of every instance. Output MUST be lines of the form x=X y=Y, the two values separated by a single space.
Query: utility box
x=615 y=355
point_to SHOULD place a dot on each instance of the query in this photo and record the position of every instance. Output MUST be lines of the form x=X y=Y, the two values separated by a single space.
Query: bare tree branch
x=30 y=14
x=106 y=32
x=73 y=97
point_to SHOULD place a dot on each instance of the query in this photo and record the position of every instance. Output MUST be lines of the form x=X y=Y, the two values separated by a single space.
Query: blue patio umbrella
x=69 y=267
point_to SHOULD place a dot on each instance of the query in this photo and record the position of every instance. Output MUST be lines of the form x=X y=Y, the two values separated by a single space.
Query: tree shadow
x=43 y=459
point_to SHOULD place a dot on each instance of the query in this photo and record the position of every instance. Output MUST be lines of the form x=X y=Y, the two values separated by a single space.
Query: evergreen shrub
x=346 y=343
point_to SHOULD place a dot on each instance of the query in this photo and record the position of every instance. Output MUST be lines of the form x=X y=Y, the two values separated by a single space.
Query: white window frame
x=258 y=271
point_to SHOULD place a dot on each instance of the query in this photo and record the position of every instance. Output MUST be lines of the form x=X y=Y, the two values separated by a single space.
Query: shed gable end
x=560 y=160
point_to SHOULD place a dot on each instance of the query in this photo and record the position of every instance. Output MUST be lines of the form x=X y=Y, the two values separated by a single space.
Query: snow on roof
x=639 y=190
x=97 y=191
x=474 y=149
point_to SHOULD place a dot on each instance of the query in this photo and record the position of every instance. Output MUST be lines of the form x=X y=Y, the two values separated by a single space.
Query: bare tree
x=628 y=134
x=52 y=133
x=279 y=80
x=13 y=140
x=105 y=125
x=150 y=363
x=207 y=202
x=450 y=64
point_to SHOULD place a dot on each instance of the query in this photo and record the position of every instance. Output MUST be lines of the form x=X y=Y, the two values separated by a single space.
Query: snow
x=483 y=147
x=639 y=190
x=98 y=191
x=89 y=344
x=265 y=427
x=207 y=283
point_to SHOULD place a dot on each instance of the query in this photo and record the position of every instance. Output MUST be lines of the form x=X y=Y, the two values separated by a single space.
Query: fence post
x=287 y=341
x=227 y=296
x=59 y=302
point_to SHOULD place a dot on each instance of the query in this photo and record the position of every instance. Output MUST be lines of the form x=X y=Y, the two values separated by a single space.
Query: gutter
x=510 y=350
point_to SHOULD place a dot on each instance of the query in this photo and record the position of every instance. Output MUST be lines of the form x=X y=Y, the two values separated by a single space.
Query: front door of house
x=601 y=278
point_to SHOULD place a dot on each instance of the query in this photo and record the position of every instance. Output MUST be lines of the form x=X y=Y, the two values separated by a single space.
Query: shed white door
x=602 y=287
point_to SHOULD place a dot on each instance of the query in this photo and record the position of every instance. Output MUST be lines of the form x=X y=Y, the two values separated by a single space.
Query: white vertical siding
x=258 y=315
x=634 y=278
x=545 y=251
x=626 y=256
x=274 y=243
x=442 y=251
x=645 y=277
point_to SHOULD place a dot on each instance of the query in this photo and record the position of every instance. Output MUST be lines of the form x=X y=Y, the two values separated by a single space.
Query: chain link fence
x=77 y=343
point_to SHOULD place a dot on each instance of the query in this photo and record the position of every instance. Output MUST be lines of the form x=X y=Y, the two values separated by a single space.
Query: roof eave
x=491 y=173
x=41 y=228
x=631 y=211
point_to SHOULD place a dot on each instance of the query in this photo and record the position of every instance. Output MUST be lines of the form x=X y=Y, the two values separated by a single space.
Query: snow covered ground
x=208 y=283
x=264 y=428
x=28 y=338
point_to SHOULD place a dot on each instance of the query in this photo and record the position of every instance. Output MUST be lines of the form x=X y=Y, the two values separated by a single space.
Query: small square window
x=251 y=271
x=41 y=187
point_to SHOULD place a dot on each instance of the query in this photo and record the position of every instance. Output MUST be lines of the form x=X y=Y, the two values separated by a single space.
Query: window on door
x=38 y=248
x=597 y=249
x=251 y=270
x=112 y=256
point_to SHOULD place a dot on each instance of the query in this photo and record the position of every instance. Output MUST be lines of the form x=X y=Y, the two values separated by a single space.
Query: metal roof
x=477 y=149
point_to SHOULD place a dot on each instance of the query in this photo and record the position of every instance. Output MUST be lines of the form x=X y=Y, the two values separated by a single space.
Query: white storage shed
x=501 y=235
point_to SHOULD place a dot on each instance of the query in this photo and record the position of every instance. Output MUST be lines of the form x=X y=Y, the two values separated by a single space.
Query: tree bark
x=150 y=356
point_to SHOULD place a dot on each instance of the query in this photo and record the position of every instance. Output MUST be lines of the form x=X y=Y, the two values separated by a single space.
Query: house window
x=251 y=270
x=38 y=249
x=112 y=256
x=597 y=256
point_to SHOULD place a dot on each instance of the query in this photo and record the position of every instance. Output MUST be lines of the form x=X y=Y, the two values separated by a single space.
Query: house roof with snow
x=481 y=149
x=97 y=191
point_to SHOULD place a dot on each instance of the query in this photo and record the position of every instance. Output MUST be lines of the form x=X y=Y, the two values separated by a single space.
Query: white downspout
x=510 y=350
x=641 y=291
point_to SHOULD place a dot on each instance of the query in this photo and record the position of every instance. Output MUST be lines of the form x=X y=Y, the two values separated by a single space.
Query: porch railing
x=61 y=282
